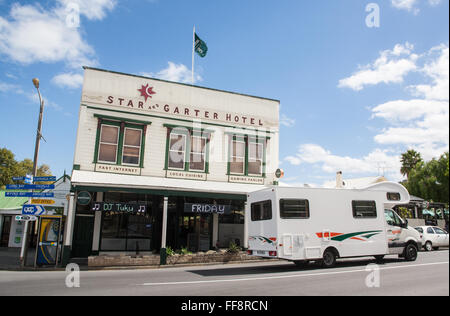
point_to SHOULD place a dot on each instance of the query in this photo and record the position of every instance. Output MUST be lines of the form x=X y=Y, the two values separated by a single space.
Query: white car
x=433 y=237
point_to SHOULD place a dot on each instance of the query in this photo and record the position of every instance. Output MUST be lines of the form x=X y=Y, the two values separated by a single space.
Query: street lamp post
x=23 y=252
x=38 y=134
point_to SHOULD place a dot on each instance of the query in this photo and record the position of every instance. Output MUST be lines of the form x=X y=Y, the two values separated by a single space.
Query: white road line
x=291 y=276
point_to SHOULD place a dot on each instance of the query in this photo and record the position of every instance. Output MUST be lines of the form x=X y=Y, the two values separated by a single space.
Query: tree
x=430 y=180
x=10 y=168
x=409 y=161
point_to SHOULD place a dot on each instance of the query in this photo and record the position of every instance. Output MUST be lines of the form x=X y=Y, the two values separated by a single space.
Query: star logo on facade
x=146 y=92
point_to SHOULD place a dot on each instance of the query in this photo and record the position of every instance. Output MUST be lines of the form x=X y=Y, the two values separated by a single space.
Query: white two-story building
x=162 y=164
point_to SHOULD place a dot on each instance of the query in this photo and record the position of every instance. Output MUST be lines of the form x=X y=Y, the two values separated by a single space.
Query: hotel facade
x=162 y=164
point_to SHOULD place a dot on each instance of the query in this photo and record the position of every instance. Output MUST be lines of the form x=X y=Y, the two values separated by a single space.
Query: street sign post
x=30 y=186
x=42 y=201
x=28 y=179
x=24 y=218
x=30 y=194
x=44 y=179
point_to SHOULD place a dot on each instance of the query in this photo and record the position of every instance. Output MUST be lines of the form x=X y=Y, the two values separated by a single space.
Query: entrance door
x=199 y=232
x=4 y=238
x=82 y=236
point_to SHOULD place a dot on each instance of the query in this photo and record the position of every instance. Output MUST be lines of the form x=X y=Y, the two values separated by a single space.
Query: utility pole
x=23 y=252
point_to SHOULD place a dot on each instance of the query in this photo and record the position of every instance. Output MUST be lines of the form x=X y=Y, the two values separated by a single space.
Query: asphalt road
x=429 y=275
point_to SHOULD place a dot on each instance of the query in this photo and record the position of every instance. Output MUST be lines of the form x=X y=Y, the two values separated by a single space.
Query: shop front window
x=123 y=231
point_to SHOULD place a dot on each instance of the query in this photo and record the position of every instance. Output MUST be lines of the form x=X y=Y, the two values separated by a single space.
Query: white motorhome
x=315 y=224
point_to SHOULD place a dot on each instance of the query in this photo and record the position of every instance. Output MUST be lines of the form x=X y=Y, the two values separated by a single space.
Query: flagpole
x=193 y=51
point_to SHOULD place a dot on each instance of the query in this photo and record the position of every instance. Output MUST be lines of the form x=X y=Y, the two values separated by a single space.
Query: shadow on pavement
x=290 y=267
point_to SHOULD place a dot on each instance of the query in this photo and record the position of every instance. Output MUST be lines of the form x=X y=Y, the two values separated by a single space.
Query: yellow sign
x=42 y=201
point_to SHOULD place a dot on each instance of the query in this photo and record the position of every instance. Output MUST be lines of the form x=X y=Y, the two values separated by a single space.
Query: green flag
x=200 y=46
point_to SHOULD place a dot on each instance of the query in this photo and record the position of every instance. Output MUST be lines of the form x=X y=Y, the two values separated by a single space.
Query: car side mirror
x=404 y=224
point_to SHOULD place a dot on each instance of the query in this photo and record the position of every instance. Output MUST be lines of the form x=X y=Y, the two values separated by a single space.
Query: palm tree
x=409 y=161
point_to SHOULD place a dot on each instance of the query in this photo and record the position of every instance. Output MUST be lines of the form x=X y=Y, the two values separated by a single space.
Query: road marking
x=291 y=275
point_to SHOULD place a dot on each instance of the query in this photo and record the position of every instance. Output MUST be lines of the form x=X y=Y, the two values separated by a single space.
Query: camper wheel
x=410 y=253
x=329 y=258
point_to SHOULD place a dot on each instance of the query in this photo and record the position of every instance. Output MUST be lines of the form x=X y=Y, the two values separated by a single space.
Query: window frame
x=203 y=154
x=121 y=125
x=233 y=155
x=397 y=196
x=170 y=150
x=257 y=143
x=188 y=133
x=100 y=143
x=354 y=211
x=308 y=210
x=261 y=217
x=247 y=139
x=132 y=146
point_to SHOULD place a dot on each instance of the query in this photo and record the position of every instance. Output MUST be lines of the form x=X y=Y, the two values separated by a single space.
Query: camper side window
x=294 y=209
x=262 y=211
x=364 y=209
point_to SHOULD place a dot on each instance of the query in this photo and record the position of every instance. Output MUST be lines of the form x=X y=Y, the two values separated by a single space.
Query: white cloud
x=408 y=5
x=421 y=124
x=9 y=87
x=438 y=71
x=286 y=121
x=92 y=9
x=32 y=34
x=68 y=80
x=391 y=67
x=175 y=72
x=331 y=163
x=412 y=5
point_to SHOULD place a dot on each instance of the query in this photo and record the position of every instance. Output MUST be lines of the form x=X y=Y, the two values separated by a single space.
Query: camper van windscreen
x=294 y=208
x=364 y=209
x=261 y=211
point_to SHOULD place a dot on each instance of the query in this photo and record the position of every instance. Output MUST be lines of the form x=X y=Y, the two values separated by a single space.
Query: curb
x=148 y=267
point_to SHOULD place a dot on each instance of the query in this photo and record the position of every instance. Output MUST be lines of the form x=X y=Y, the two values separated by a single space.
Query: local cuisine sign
x=147 y=93
x=206 y=208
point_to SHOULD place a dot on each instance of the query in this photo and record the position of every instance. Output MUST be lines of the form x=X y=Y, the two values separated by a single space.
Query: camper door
x=394 y=232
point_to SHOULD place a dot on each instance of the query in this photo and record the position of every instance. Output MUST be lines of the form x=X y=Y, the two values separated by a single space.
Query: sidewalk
x=9 y=260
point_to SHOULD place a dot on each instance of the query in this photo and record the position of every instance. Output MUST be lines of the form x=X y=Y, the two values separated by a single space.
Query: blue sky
x=353 y=97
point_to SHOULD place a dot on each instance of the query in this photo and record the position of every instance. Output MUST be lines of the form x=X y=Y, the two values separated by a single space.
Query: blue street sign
x=28 y=179
x=33 y=210
x=30 y=186
x=30 y=194
x=44 y=179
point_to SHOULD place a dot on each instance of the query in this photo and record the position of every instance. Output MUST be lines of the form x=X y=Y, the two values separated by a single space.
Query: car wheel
x=410 y=253
x=329 y=259
x=428 y=246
